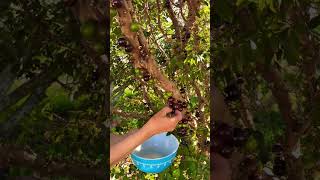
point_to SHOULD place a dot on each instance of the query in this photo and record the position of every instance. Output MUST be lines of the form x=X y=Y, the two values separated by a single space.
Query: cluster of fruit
x=227 y=138
x=186 y=36
x=122 y=42
x=279 y=164
x=233 y=91
x=167 y=3
x=146 y=75
x=176 y=105
x=250 y=165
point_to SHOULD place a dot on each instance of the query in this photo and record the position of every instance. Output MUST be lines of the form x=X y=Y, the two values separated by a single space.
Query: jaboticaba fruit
x=197 y=114
x=88 y=29
x=134 y=27
x=184 y=105
x=188 y=35
x=146 y=76
x=182 y=90
x=277 y=148
x=117 y=3
x=171 y=99
x=122 y=42
x=128 y=48
x=167 y=3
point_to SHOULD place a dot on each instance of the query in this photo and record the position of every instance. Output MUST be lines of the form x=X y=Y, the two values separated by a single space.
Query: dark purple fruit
x=182 y=132
x=188 y=35
x=184 y=105
x=117 y=3
x=146 y=78
x=197 y=114
x=122 y=42
x=128 y=48
x=167 y=3
x=171 y=104
x=240 y=136
x=171 y=99
x=184 y=121
x=232 y=92
x=182 y=91
x=277 y=148
x=176 y=106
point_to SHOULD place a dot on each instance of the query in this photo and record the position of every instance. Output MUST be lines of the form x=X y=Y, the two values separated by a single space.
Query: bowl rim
x=178 y=144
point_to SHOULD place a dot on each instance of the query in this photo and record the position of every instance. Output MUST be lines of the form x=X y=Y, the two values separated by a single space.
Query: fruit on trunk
x=128 y=48
x=122 y=42
x=117 y=3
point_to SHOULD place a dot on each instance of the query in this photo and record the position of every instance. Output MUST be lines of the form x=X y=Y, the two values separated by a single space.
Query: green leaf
x=176 y=173
x=224 y=10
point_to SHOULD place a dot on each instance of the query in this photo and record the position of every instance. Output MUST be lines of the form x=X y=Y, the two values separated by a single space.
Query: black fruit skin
x=232 y=92
x=128 y=48
x=188 y=35
x=277 y=148
x=197 y=114
x=122 y=42
x=279 y=166
x=240 y=136
x=184 y=105
x=117 y=3
x=146 y=78
x=167 y=3
x=227 y=138
x=182 y=91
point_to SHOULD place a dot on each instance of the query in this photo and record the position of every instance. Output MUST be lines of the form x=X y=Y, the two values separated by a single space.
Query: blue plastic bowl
x=156 y=154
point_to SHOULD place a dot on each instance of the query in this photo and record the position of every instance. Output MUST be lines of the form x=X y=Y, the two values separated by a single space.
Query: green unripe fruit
x=134 y=27
x=88 y=30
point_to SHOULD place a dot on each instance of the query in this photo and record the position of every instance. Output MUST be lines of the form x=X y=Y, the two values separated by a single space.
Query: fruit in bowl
x=156 y=154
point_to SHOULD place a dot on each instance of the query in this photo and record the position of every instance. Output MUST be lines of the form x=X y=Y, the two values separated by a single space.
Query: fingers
x=178 y=116
x=166 y=110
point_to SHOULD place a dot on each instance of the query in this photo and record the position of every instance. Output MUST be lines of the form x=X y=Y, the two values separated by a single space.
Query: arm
x=157 y=124
x=114 y=139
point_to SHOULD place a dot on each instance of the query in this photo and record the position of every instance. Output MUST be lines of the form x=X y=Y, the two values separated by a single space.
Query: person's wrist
x=147 y=130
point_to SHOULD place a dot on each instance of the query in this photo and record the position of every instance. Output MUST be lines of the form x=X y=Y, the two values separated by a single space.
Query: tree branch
x=139 y=43
x=42 y=79
x=281 y=94
x=12 y=155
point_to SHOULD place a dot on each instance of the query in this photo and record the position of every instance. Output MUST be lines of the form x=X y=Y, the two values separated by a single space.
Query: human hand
x=161 y=122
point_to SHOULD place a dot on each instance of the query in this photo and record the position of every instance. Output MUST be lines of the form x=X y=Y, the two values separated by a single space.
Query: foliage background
x=52 y=90
x=274 y=47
